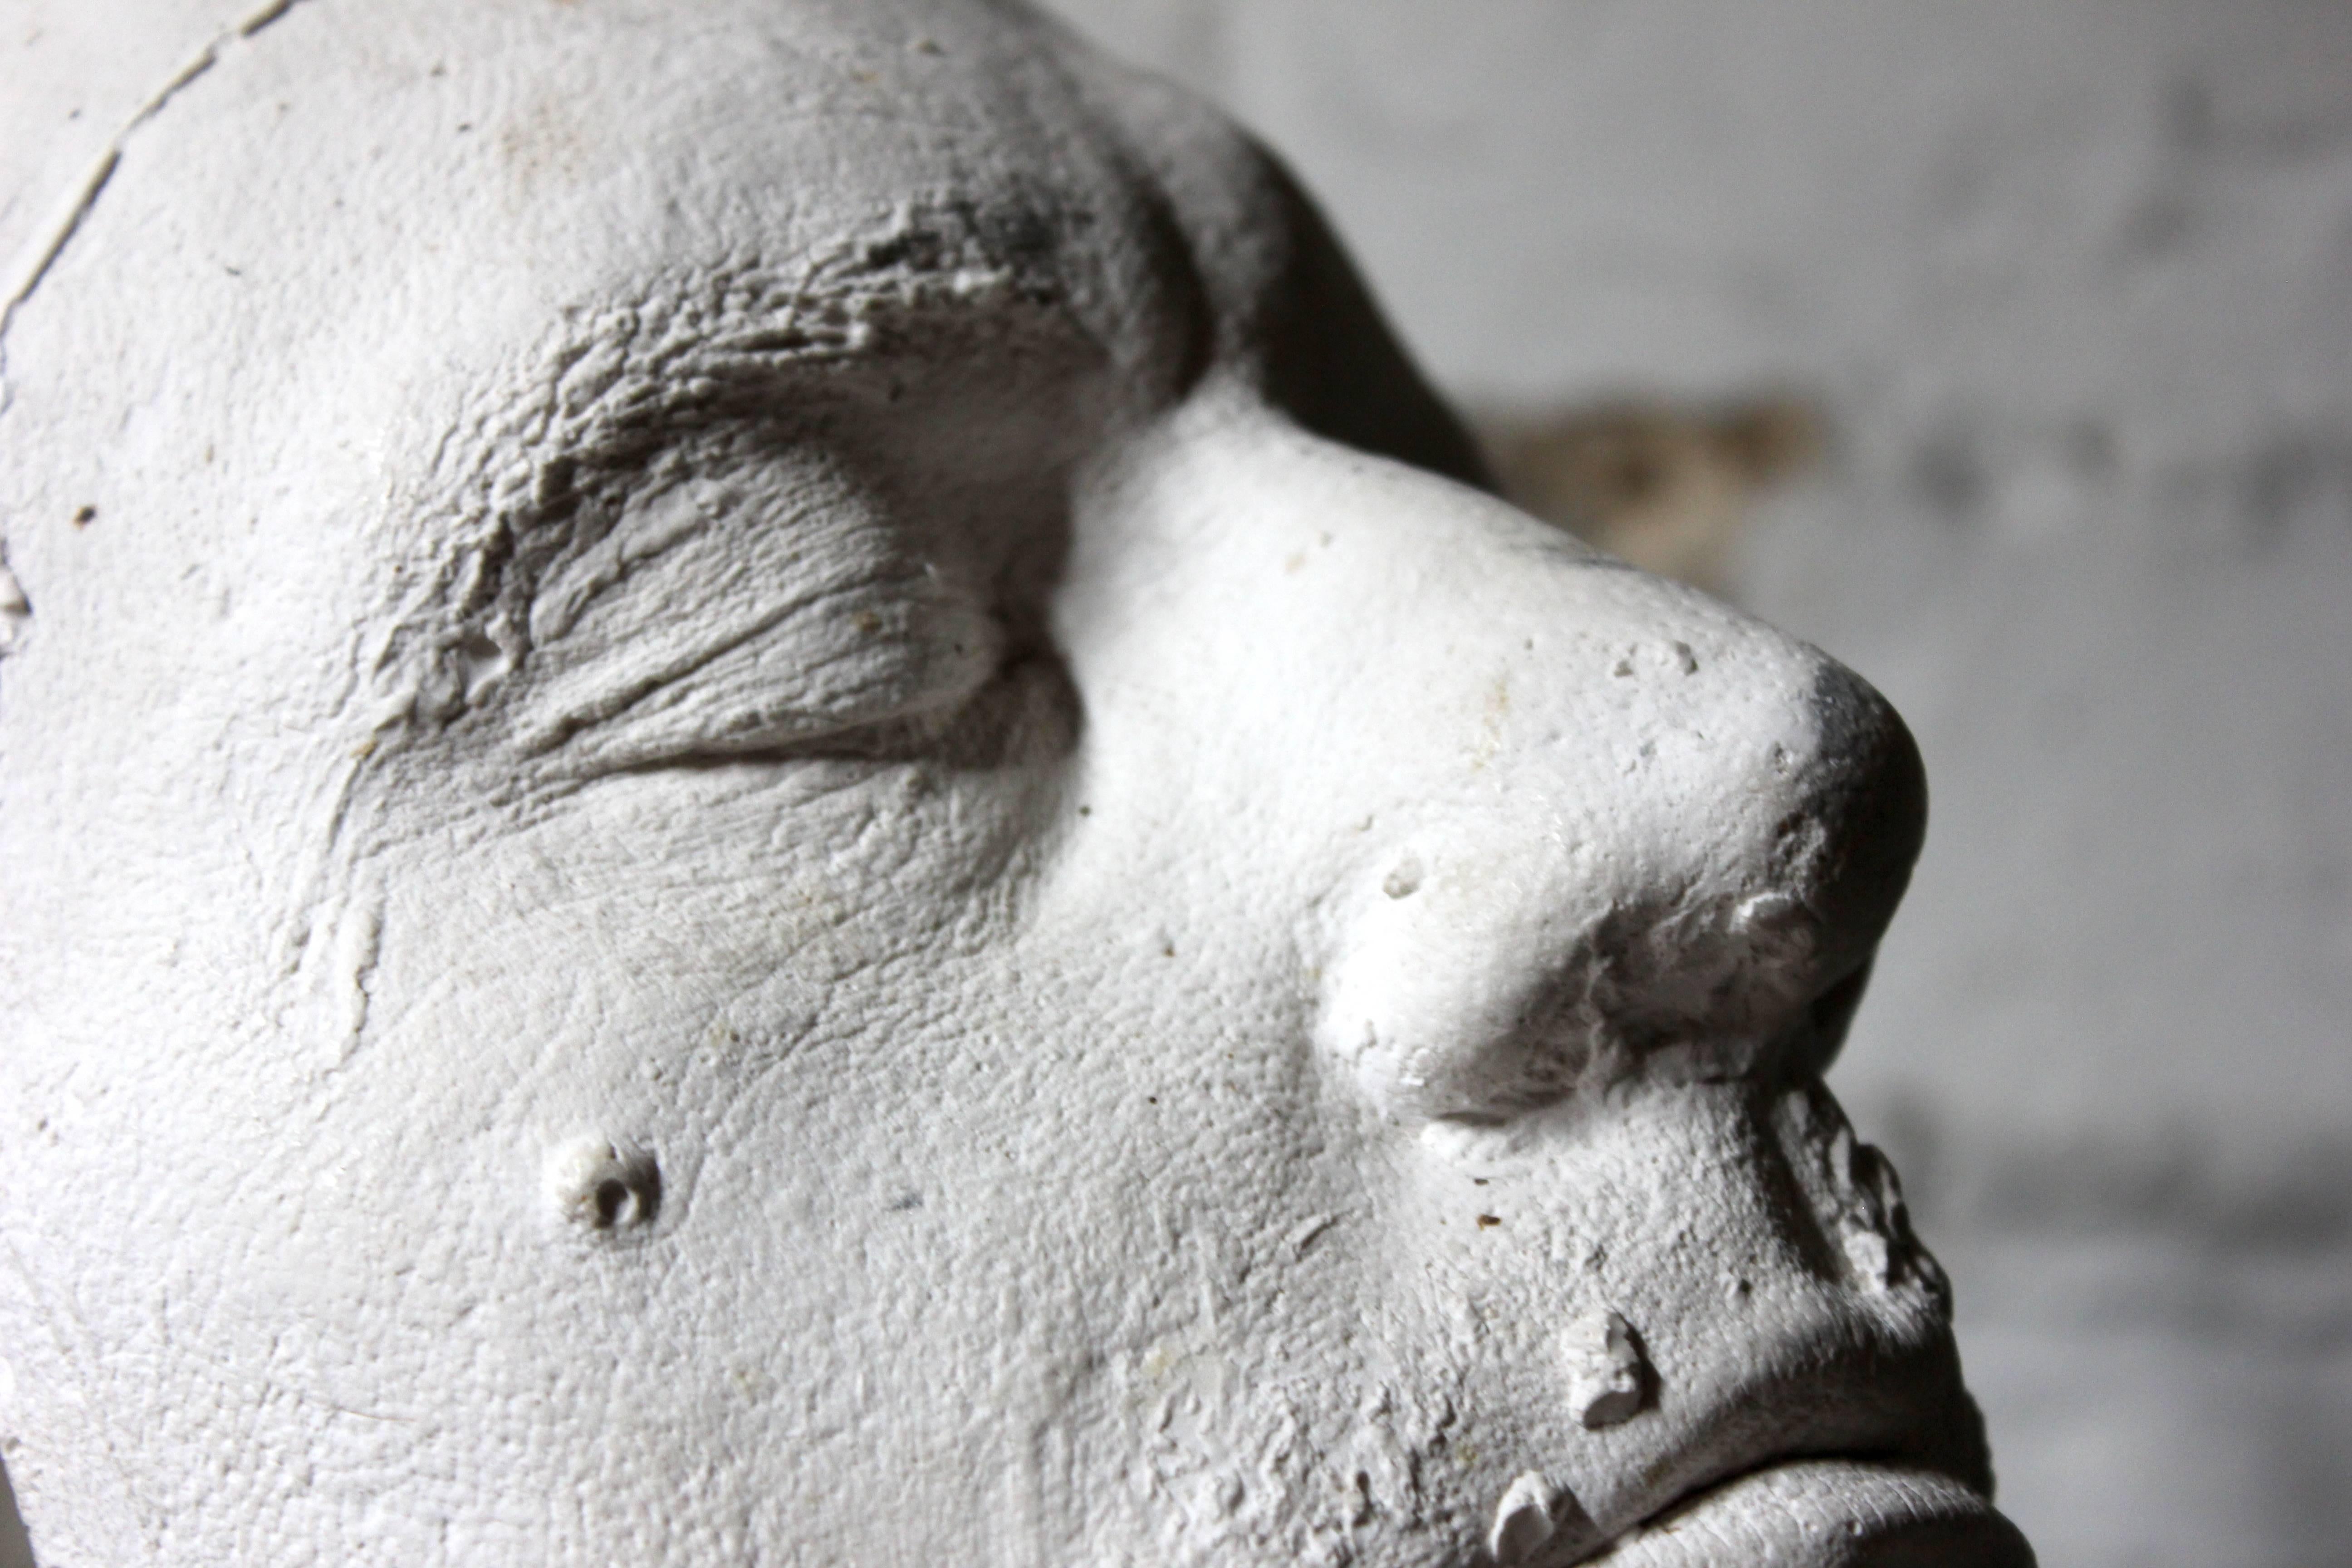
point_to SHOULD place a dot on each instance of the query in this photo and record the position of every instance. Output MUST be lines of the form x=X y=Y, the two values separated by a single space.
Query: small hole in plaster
x=1405 y=880
x=601 y=1186
x=613 y=1203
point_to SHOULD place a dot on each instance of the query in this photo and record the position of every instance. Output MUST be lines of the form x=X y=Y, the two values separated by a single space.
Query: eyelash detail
x=762 y=613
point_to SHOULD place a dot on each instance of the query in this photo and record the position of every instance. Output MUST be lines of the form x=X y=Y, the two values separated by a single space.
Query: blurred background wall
x=2005 y=350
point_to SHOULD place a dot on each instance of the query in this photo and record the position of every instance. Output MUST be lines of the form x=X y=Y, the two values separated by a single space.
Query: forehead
x=573 y=84
x=372 y=261
x=427 y=187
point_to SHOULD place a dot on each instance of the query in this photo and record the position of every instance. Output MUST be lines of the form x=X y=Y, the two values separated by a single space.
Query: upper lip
x=1823 y=1513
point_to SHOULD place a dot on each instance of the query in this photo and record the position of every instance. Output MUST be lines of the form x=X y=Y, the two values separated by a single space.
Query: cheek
x=641 y=917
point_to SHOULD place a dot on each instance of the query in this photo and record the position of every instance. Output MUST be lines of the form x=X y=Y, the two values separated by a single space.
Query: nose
x=1544 y=820
x=1568 y=880
x=1670 y=849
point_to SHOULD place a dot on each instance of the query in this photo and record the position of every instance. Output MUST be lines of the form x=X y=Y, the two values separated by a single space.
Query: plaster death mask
x=769 y=793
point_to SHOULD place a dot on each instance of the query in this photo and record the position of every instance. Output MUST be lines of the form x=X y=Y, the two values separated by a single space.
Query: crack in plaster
x=42 y=256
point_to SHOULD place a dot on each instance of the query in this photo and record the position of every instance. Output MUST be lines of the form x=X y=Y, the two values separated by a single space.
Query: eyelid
x=721 y=617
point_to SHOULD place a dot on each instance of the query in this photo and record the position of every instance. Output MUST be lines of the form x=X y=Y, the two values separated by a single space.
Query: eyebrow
x=581 y=420
x=718 y=343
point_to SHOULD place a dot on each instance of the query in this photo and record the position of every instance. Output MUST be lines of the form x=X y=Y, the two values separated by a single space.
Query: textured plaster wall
x=2071 y=281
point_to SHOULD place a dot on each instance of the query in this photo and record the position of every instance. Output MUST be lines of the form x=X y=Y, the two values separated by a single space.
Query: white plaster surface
x=2072 y=281
x=757 y=807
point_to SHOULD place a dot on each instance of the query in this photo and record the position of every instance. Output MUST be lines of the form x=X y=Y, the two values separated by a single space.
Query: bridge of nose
x=1396 y=638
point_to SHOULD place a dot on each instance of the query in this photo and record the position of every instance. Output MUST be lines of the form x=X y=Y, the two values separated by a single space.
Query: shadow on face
x=782 y=802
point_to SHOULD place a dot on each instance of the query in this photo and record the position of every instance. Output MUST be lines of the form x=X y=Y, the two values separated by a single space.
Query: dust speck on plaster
x=15 y=610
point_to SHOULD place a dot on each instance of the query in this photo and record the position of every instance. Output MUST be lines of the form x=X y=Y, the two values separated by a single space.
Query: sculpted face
x=758 y=809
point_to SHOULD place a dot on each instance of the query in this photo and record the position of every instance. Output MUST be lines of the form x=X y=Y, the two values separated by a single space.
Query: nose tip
x=1865 y=815
x=1687 y=835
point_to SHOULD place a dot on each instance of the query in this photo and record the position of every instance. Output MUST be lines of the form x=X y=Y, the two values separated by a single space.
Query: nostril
x=1833 y=1010
x=1865 y=796
x=1477 y=991
x=1827 y=1020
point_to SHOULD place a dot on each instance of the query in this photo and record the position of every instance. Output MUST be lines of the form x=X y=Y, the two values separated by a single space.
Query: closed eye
x=766 y=609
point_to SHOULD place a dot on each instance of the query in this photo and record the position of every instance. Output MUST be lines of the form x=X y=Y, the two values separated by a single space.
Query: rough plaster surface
x=757 y=807
x=2068 y=279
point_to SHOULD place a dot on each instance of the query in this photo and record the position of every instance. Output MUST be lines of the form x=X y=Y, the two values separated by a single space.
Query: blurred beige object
x=1660 y=486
